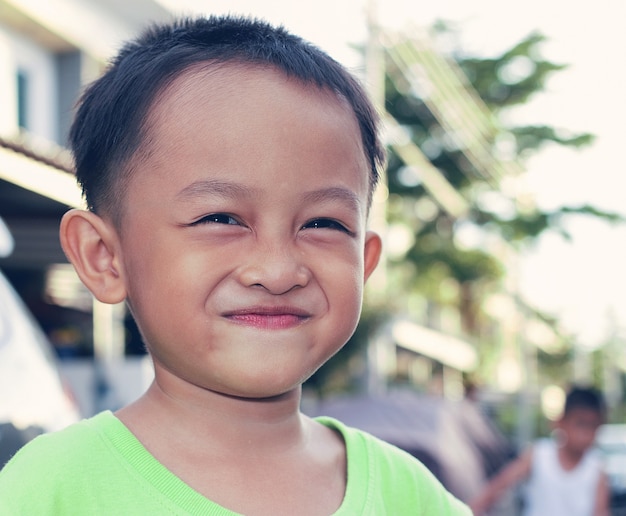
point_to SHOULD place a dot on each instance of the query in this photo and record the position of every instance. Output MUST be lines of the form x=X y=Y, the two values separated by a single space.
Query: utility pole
x=375 y=84
x=380 y=350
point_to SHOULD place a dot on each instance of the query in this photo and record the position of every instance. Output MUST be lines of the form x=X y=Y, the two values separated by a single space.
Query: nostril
x=276 y=277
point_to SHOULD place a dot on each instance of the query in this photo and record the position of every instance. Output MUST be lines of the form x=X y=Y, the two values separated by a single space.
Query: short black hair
x=579 y=397
x=110 y=124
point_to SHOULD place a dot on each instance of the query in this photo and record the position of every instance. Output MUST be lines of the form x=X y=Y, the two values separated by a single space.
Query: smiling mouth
x=268 y=318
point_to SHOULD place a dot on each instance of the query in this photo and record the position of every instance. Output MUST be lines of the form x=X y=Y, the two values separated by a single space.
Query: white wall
x=18 y=53
x=96 y=27
x=8 y=87
x=106 y=386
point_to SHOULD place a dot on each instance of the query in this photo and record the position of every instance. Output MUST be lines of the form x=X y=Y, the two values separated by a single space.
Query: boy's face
x=579 y=427
x=243 y=236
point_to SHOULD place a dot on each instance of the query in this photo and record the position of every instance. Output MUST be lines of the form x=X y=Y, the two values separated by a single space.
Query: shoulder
x=544 y=443
x=400 y=480
x=595 y=460
x=540 y=450
x=34 y=471
x=363 y=444
x=58 y=445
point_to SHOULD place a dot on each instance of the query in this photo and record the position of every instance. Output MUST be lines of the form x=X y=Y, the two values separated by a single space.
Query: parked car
x=33 y=396
x=611 y=441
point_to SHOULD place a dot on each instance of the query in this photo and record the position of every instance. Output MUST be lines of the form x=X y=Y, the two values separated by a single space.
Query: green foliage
x=534 y=137
x=462 y=264
x=593 y=211
x=511 y=78
x=505 y=81
x=526 y=227
x=553 y=365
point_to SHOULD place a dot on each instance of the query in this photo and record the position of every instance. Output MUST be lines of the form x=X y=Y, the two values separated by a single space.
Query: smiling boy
x=228 y=167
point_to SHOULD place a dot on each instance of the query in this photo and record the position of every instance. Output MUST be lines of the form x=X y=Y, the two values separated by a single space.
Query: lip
x=268 y=317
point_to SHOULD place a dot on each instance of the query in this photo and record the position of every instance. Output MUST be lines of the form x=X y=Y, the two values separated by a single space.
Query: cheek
x=160 y=285
x=346 y=296
x=344 y=275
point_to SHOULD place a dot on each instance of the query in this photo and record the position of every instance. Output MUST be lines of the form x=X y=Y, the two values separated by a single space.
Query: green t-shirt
x=98 y=467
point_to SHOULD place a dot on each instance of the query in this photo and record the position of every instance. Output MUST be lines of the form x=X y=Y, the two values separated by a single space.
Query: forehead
x=245 y=94
x=582 y=414
x=239 y=91
x=239 y=117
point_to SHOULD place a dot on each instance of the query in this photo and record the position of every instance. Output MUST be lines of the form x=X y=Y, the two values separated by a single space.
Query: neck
x=569 y=458
x=216 y=421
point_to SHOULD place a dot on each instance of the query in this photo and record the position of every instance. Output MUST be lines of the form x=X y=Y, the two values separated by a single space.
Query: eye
x=327 y=224
x=217 y=218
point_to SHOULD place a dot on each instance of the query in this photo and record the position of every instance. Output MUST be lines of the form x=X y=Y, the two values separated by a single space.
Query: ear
x=92 y=245
x=372 y=252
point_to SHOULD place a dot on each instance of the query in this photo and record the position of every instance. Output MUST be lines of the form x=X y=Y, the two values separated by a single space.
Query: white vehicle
x=611 y=441
x=32 y=393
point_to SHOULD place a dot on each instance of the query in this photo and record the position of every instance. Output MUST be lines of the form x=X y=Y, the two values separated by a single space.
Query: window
x=22 y=99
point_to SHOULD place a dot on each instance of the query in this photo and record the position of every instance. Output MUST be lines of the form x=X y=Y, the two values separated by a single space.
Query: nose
x=276 y=267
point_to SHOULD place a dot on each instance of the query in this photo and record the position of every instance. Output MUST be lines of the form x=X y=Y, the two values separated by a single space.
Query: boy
x=228 y=167
x=564 y=475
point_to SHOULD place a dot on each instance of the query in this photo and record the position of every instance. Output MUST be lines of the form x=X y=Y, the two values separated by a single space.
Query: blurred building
x=48 y=51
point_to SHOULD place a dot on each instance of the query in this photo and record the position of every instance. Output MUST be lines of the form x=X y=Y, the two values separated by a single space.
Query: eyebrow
x=202 y=188
x=214 y=187
x=335 y=193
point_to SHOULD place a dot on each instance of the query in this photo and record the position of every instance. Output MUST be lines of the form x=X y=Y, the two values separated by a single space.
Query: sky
x=582 y=280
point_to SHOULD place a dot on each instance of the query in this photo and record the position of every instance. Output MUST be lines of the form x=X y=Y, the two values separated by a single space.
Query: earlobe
x=91 y=245
x=372 y=252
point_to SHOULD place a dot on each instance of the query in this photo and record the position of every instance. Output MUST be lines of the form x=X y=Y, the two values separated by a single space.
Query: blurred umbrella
x=454 y=440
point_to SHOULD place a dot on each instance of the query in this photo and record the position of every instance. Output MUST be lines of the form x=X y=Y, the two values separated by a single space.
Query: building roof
x=36 y=179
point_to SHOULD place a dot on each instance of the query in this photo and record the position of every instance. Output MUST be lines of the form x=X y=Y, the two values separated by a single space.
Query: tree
x=437 y=266
x=502 y=82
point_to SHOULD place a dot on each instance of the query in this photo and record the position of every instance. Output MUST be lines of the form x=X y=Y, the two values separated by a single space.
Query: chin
x=264 y=394
x=265 y=390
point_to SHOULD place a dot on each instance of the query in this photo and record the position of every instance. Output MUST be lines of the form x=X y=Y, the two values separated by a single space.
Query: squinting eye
x=218 y=218
x=326 y=224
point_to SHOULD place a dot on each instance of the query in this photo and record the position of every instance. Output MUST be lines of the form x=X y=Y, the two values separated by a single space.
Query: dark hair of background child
x=584 y=398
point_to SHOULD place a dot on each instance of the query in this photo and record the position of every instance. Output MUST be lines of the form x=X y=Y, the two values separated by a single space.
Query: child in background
x=564 y=475
x=228 y=167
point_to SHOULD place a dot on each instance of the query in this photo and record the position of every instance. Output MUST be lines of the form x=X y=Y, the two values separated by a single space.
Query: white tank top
x=555 y=492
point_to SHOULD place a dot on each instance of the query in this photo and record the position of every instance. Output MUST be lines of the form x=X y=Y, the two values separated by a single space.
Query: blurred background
x=501 y=211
